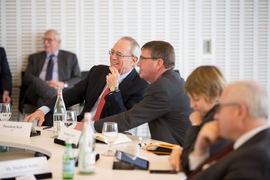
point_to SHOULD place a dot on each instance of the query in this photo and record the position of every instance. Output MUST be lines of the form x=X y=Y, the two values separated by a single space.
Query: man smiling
x=165 y=106
x=119 y=84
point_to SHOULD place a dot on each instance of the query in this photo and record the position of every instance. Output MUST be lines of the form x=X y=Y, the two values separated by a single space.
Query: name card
x=15 y=168
x=67 y=133
x=12 y=128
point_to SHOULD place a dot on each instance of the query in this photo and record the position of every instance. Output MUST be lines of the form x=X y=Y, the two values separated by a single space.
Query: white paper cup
x=131 y=149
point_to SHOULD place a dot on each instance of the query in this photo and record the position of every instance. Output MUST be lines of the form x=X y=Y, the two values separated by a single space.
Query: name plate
x=67 y=133
x=15 y=168
x=11 y=128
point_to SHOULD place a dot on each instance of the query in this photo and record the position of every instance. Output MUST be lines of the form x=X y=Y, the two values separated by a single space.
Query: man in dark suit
x=165 y=106
x=5 y=78
x=126 y=88
x=64 y=73
x=241 y=117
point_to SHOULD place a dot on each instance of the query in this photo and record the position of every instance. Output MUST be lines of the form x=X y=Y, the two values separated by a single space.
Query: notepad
x=121 y=138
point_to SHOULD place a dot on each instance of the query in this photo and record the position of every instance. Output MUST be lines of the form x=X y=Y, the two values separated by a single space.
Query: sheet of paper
x=26 y=177
x=121 y=138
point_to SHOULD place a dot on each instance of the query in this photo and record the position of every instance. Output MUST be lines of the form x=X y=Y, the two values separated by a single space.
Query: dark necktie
x=49 y=71
x=220 y=154
x=101 y=104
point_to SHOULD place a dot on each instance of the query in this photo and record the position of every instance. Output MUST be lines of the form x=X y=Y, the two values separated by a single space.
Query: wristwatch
x=65 y=85
x=114 y=89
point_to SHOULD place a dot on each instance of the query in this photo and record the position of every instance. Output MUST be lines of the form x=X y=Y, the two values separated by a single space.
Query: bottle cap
x=59 y=92
x=69 y=141
x=87 y=117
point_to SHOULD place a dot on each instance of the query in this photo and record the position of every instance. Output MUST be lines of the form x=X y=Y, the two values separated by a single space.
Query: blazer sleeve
x=75 y=74
x=31 y=71
x=6 y=77
x=190 y=138
x=153 y=106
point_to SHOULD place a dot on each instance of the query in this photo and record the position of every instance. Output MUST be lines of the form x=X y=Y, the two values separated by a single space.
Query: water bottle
x=68 y=161
x=87 y=147
x=3 y=149
x=59 y=114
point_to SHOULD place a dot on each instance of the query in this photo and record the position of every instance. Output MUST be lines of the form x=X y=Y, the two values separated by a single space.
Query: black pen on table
x=48 y=127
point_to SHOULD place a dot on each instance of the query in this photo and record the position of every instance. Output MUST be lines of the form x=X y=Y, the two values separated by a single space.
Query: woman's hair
x=206 y=81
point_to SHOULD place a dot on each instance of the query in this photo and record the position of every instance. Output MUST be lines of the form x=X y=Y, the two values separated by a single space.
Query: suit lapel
x=60 y=62
x=40 y=62
x=123 y=86
x=127 y=82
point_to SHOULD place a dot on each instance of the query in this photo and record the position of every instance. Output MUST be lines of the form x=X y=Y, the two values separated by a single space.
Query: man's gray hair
x=253 y=95
x=57 y=34
x=135 y=47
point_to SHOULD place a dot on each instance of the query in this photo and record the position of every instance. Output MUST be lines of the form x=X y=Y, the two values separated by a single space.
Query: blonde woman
x=204 y=87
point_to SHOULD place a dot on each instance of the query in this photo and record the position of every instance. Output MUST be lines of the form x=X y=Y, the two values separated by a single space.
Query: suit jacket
x=68 y=71
x=190 y=139
x=89 y=89
x=249 y=161
x=165 y=107
x=68 y=67
x=5 y=75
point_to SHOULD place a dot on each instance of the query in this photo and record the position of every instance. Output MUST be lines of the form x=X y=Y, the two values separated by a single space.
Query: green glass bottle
x=68 y=161
x=3 y=148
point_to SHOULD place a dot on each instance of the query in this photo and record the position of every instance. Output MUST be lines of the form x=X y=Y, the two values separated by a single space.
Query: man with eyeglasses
x=242 y=117
x=118 y=86
x=165 y=106
x=48 y=71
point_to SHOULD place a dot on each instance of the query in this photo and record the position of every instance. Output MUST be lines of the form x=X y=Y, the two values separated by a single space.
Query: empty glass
x=110 y=133
x=5 y=111
x=71 y=119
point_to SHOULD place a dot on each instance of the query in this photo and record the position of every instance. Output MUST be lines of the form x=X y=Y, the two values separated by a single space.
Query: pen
x=48 y=127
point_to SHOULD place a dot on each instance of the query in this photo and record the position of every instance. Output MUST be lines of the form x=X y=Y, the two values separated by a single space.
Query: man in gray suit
x=65 y=71
x=242 y=117
x=165 y=106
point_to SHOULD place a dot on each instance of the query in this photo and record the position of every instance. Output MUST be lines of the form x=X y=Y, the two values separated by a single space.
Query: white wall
x=238 y=30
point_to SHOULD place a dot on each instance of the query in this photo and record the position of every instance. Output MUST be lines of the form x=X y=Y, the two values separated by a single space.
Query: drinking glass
x=110 y=133
x=5 y=111
x=71 y=119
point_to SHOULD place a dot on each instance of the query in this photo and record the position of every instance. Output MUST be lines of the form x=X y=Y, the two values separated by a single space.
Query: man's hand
x=38 y=115
x=79 y=126
x=6 y=98
x=174 y=159
x=208 y=135
x=196 y=118
x=56 y=84
x=112 y=78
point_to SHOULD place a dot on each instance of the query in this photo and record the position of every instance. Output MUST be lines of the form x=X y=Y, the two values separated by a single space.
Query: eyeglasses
x=118 y=54
x=48 y=39
x=219 y=106
x=144 y=58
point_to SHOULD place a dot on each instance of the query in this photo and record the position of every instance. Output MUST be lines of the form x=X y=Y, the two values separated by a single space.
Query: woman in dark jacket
x=204 y=87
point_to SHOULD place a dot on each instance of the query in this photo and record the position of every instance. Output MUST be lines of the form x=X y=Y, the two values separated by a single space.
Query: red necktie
x=220 y=154
x=101 y=104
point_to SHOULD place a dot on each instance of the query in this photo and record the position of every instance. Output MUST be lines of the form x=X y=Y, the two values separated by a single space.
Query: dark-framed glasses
x=48 y=39
x=118 y=54
x=144 y=58
x=218 y=107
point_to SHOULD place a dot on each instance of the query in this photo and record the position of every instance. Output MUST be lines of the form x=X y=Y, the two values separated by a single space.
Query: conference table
x=44 y=143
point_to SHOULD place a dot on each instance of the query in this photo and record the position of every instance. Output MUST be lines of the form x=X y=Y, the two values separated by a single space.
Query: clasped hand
x=208 y=135
x=112 y=79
